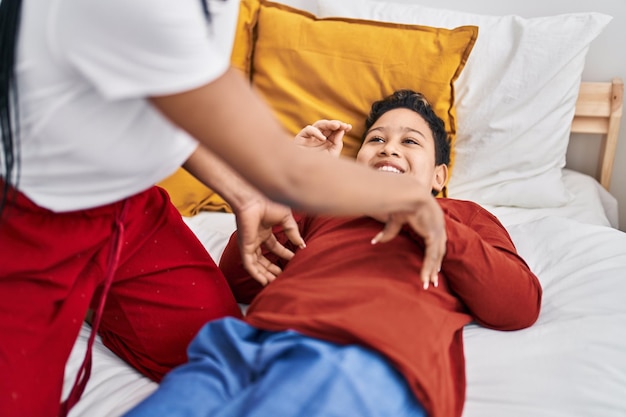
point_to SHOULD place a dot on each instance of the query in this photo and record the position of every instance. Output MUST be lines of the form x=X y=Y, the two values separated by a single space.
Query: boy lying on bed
x=348 y=328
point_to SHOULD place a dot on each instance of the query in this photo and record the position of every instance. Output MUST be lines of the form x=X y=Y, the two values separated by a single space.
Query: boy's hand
x=324 y=135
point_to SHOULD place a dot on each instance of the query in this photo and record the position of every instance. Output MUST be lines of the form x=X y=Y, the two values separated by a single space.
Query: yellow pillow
x=187 y=193
x=335 y=68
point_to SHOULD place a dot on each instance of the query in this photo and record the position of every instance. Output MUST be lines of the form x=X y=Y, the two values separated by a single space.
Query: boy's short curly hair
x=409 y=99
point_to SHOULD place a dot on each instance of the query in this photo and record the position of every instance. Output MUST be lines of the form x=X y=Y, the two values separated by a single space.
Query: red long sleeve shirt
x=343 y=289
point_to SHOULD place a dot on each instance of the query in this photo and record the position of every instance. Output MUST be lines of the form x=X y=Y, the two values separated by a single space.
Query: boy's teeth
x=389 y=169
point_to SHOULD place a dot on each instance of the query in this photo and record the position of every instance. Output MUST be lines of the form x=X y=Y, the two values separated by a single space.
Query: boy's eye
x=411 y=141
x=375 y=139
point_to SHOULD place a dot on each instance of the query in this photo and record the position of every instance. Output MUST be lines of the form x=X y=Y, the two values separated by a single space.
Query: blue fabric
x=235 y=370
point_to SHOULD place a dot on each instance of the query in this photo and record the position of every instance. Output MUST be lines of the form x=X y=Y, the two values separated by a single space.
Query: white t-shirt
x=84 y=68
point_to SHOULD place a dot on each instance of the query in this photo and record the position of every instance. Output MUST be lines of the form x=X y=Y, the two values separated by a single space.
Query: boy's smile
x=401 y=142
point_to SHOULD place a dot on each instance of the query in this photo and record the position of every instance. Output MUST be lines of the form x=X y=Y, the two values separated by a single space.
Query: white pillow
x=515 y=98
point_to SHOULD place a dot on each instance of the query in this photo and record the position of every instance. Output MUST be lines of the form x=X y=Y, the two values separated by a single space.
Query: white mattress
x=571 y=363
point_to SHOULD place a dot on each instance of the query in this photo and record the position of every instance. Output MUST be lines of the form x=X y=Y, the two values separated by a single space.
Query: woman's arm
x=234 y=123
x=255 y=214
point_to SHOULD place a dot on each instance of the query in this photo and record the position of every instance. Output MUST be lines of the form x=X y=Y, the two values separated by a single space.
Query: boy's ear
x=440 y=177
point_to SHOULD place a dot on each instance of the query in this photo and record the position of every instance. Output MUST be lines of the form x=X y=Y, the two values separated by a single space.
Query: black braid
x=9 y=26
x=205 y=8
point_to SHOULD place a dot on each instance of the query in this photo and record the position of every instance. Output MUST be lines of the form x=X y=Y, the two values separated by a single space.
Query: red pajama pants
x=54 y=266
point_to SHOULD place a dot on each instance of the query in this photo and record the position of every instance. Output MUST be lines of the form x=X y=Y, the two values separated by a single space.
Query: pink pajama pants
x=55 y=266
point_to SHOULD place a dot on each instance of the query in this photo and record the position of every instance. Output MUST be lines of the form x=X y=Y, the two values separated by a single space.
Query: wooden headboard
x=599 y=111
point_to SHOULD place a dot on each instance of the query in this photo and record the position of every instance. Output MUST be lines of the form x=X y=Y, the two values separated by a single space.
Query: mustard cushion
x=335 y=68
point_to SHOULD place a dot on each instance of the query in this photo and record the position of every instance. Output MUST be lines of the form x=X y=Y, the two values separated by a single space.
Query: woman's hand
x=428 y=222
x=324 y=135
x=255 y=214
x=254 y=229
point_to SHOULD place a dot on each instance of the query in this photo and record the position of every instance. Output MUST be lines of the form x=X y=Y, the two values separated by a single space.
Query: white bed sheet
x=571 y=363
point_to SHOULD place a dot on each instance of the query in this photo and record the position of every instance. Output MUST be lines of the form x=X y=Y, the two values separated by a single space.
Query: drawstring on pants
x=85 y=368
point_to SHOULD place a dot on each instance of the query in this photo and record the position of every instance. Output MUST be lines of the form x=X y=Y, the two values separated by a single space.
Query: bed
x=563 y=222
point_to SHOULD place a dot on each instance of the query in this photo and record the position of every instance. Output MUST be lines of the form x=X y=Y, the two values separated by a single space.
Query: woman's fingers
x=428 y=222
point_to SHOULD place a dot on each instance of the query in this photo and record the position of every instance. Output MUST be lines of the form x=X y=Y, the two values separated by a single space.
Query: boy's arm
x=483 y=269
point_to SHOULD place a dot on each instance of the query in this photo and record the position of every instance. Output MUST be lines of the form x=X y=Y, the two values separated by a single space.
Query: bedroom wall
x=606 y=59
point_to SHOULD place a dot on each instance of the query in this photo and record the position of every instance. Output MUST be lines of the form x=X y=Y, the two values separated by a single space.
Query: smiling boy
x=349 y=328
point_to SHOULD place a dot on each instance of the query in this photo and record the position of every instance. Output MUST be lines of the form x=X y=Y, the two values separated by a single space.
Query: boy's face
x=401 y=142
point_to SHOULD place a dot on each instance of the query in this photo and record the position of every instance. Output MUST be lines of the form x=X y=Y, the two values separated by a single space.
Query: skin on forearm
x=230 y=120
x=254 y=213
x=234 y=123
x=215 y=173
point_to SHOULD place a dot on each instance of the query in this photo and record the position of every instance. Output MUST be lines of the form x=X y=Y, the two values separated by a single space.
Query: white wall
x=606 y=59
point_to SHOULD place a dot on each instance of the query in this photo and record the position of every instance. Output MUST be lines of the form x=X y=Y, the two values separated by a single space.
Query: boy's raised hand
x=324 y=135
